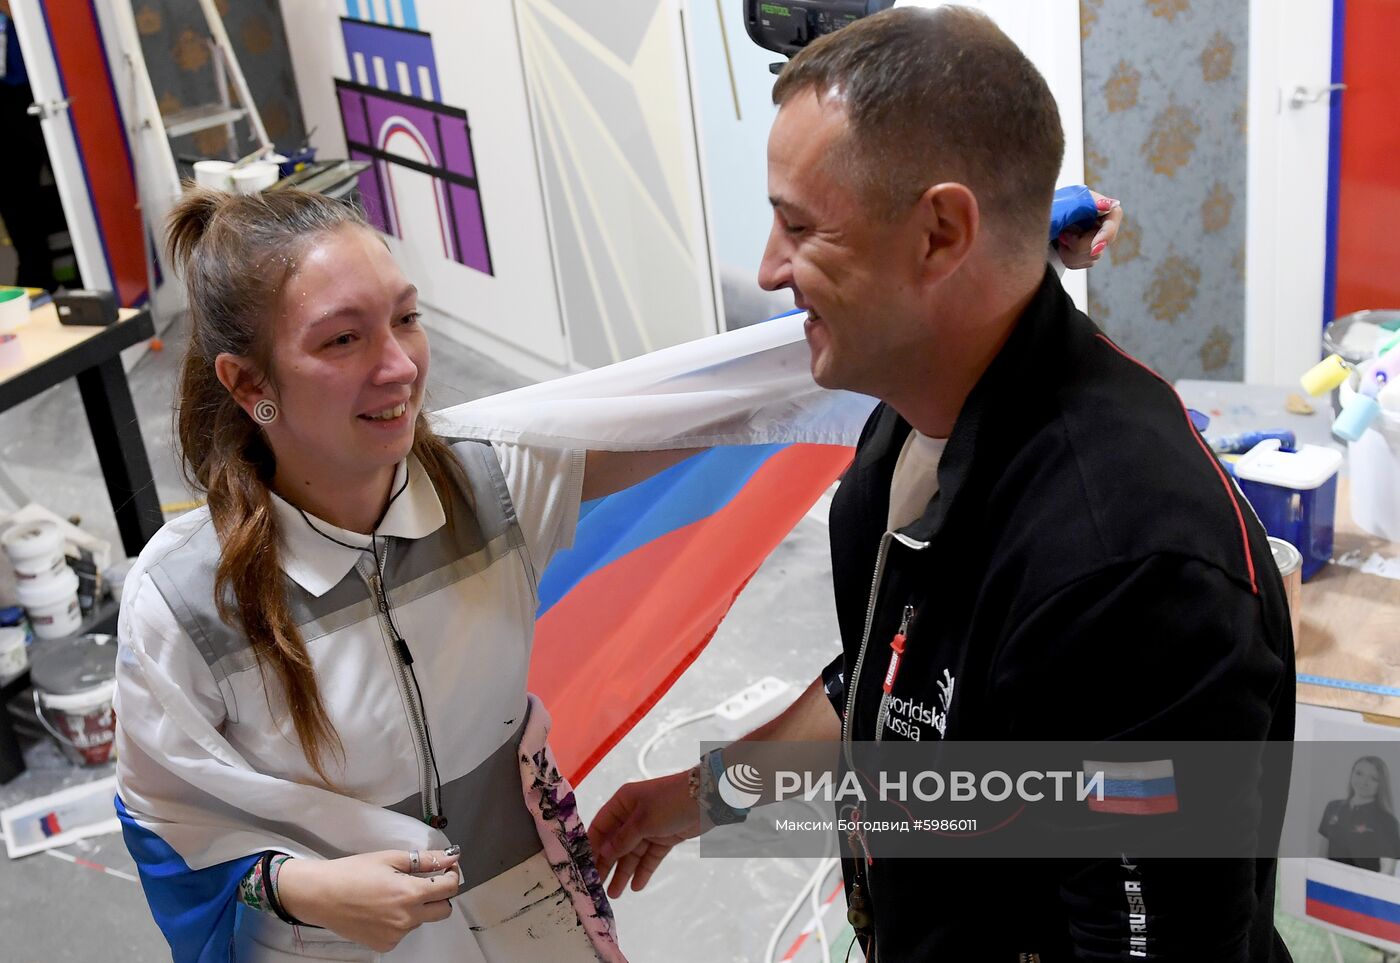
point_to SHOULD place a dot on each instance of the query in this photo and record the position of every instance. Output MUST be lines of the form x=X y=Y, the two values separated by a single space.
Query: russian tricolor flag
x=1134 y=788
x=655 y=568
x=653 y=571
x=1356 y=900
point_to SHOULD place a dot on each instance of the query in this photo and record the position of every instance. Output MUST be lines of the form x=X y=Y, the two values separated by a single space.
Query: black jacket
x=1090 y=574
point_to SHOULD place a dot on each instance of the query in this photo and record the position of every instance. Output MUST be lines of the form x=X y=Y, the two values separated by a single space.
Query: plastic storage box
x=1295 y=496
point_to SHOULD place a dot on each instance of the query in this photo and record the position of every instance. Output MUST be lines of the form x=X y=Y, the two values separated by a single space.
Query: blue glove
x=1072 y=207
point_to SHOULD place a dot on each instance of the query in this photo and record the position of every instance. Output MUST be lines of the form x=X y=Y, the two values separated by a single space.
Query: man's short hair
x=938 y=95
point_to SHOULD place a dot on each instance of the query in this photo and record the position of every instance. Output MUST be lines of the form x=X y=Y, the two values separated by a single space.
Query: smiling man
x=1033 y=541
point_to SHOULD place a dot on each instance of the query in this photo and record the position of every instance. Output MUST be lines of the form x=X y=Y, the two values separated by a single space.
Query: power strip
x=746 y=700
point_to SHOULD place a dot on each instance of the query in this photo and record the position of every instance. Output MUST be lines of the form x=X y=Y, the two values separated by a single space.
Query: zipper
x=402 y=658
x=846 y=725
x=896 y=656
x=846 y=735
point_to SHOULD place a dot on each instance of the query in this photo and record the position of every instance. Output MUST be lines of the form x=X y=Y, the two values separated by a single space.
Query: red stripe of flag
x=1135 y=806
x=647 y=616
x=1352 y=920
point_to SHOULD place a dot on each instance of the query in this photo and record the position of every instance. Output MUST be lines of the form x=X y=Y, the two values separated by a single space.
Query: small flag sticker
x=1134 y=788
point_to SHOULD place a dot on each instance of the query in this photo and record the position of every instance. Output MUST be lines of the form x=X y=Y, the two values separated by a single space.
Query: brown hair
x=935 y=95
x=235 y=254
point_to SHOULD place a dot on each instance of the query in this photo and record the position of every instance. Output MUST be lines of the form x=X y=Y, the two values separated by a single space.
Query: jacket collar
x=1011 y=376
x=317 y=555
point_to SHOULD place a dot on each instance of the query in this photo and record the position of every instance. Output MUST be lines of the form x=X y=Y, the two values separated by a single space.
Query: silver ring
x=413 y=861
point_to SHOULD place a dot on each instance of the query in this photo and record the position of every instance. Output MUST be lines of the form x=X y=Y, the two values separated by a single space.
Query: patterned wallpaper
x=1164 y=131
x=173 y=37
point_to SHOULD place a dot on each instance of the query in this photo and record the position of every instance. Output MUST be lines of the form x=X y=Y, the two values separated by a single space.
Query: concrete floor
x=695 y=910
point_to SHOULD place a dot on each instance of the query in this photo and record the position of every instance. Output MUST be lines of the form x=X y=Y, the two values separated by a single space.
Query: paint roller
x=1362 y=409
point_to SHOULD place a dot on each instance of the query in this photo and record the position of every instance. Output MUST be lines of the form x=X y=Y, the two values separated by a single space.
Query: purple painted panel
x=471 y=228
x=352 y=116
x=370 y=194
x=388 y=116
x=457 y=146
x=393 y=46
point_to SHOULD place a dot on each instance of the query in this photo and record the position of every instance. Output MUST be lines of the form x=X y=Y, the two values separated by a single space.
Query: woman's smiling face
x=349 y=361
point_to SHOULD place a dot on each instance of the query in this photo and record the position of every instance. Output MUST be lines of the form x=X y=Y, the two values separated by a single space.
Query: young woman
x=1361 y=829
x=322 y=673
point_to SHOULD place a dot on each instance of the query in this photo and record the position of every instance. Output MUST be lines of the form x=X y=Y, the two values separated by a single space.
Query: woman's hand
x=1082 y=248
x=370 y=899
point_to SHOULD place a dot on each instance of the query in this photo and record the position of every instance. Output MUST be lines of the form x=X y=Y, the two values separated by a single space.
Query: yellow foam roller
x=1326 y=375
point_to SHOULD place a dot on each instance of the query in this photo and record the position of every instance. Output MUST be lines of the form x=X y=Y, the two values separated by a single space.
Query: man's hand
x=639 y=825
x=1082 y=248
x=370 y=899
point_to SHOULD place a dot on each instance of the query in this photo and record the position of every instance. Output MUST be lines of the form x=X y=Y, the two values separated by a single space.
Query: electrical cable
x=819 y=927
x=810 y=893
x=662 y=731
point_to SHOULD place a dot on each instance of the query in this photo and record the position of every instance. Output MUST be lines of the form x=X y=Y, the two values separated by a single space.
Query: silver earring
x=265 y=412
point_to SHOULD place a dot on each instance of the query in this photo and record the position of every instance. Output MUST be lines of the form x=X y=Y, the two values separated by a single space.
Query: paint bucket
x=52 y=604
x=254 y=177
x=1373 y=461
x=1355 y=337
x=214 y=173
x=74 y=682
x=14 y=306
x=1290 y=565
x=35 y=549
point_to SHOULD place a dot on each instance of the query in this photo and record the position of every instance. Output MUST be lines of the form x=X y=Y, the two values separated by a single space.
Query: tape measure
x=1369 y=687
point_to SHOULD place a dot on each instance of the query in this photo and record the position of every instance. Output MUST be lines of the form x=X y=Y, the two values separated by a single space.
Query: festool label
x=777 y=9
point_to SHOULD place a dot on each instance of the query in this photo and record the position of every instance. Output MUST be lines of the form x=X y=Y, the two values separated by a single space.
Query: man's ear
x=243 y=380
x=950 y=221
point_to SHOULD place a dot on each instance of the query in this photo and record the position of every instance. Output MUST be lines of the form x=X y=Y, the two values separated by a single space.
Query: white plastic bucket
x=74 y=683
x=213 y=173
x=1374 y=465
x=35 y=549
x=52 y=604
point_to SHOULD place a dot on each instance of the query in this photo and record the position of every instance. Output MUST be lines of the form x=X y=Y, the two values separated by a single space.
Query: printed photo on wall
x=1348 y=882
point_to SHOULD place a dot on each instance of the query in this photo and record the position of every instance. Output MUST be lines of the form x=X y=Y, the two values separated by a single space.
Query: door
x=1365 y=197
x=68 y=70
x=1289 y=120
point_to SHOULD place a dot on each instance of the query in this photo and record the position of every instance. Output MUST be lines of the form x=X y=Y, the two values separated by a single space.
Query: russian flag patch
x=1133 y=788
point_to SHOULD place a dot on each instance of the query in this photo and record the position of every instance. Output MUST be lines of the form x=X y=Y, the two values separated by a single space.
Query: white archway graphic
x=398 y=136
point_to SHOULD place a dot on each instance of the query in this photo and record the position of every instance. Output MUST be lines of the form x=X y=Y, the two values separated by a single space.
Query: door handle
x=44 y=109
x=1302 y=96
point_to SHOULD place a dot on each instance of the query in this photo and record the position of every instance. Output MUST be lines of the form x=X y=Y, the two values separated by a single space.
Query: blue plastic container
x=1295 y=496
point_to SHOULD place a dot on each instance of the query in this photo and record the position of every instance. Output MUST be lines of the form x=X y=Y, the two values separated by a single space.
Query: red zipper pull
x=897 y=648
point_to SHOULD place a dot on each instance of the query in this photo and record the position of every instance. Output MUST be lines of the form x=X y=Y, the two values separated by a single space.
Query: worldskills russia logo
x=740 y=785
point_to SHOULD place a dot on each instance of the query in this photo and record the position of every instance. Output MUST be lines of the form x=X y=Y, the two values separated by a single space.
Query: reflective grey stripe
x=485 y=531
x=485 y=815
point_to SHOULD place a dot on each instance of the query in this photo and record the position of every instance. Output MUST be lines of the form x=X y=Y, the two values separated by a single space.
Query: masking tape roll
x=14 y=308
x=11 y=351
x=1326 y=375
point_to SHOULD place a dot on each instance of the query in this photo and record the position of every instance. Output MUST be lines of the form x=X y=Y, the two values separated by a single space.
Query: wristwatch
x=704 y=789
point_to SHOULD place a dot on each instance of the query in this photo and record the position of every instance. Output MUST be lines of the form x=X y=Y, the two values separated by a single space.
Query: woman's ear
x=243 y=381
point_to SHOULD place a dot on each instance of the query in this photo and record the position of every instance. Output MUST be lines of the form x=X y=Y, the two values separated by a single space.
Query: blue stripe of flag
x=1356 y=902
x=1140 y=788
x=683 y=494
